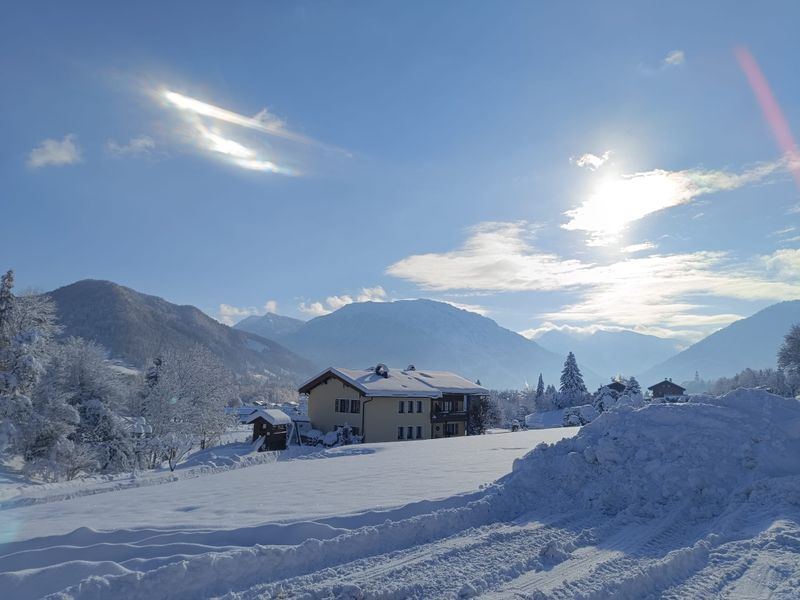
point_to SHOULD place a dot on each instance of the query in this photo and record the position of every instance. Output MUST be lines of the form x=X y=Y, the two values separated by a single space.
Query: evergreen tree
x=571 y=378
x=540 y=387
x=632 y=387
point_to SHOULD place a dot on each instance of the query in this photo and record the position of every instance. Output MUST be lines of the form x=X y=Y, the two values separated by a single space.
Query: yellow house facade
x=383 y=404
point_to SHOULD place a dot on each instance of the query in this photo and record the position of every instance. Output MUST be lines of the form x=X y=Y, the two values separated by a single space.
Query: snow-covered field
x=697 y=500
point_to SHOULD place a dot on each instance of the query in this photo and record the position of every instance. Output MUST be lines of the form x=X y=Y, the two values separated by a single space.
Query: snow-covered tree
x=572 y=390
x=604 y=398
x=789 y=356
x=185 y=393
x=632 y=387
x=540 y=387
x=27 y=327
x=80 y=376
x=571 y=377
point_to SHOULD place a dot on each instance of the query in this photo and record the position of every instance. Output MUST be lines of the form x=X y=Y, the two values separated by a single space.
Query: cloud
x=208 y=128
x=669 y=291
x=674 y=58
x=56 y=153
x=231 y=315
x=476 y=308
x=592 y=161
x=639 y=247
x=138 y=146
x=617 y=202
x=547 y=326
x=332 y=303
x=263 y=121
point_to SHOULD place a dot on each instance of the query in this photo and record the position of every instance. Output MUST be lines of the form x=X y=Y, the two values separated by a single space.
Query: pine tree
x=540 y=387
x=571 y=378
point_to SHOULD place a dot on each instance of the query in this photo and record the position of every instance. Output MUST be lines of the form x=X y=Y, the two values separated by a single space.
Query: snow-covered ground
x=696 y=500
x=111 y=525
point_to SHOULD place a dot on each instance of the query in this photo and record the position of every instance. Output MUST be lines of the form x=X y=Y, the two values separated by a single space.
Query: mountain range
x=752 y=342
x=429 y=334
x=134 y=327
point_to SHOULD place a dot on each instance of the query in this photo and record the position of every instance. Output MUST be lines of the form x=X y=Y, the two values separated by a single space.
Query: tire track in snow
x=497 y=551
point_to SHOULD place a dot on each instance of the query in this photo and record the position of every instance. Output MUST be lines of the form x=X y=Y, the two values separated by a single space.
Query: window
x=355 y=406
x=419 y=406
x=411 y=406
x=401 y=407
x=450 y=429
x=419 y=432
x=343 y=405
x=410 y=432
x=356 y=431
x=400 y=431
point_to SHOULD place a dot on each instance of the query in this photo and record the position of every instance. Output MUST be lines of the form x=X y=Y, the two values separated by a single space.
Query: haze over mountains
x=134 y=327
x=752 y=342
x=611 y=352
x=426 y=333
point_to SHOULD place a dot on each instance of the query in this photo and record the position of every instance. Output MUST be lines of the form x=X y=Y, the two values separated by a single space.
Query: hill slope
x=429 y=334
x=134 y=327
x=270 y=325
x=611 y=352
x=752 y=342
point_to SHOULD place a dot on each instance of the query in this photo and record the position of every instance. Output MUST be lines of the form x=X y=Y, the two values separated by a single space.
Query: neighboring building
x=383 y=404
x=666 y=390
x=617 y=386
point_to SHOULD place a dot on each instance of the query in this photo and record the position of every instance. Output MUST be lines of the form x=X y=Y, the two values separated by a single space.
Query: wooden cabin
x=271 y=425
x=666 y=390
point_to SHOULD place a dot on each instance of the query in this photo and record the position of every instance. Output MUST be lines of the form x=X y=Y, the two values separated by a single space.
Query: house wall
x=322 y=404
x=380 y=415
x=383 y=419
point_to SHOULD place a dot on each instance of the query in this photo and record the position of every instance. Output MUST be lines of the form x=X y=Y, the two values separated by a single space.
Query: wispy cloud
x=332 y=303
x=56 y=152
x=674 y=58
x=548 y=326
x=592 y=161
x=230 y=315
x=138 y=146
x=639 y=247
x=263 y=121
x=617 y=202
x=209 y=129
x=671 y=291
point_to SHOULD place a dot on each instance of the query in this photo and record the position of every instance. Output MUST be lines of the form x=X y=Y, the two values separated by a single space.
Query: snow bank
x=697 y=454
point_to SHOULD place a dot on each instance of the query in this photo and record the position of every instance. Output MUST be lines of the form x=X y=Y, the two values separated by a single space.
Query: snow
x=699 y=500
x=270 y=415
x=545 y=419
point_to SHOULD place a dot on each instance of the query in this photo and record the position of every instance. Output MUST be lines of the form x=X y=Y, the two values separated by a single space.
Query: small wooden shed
x=271 y=425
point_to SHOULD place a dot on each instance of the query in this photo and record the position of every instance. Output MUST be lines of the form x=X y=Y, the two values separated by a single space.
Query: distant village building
x=667 y=390
x=617 y=386
x=382 y=404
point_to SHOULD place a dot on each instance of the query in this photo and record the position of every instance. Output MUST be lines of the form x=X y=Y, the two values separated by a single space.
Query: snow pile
x=697 y=454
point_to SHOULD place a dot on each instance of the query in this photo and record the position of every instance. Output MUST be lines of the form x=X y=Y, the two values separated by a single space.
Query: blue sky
x=550 y=164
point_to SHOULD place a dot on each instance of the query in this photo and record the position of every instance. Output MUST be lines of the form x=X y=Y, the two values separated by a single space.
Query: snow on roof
x=398 y=382
x=270 y=415
x=448 y=383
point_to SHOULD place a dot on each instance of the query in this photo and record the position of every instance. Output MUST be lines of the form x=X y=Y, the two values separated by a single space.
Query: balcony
x=448 y=416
